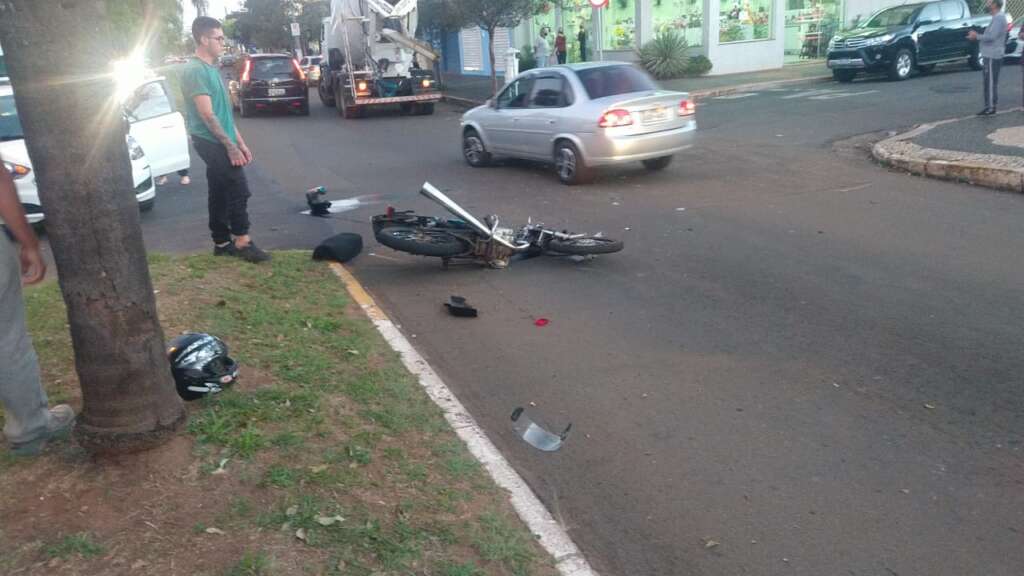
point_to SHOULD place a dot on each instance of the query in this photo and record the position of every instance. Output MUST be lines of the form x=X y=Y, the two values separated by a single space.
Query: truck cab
x=901 y=39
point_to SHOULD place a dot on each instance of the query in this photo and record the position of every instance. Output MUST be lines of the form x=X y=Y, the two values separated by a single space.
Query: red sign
x=598 y=3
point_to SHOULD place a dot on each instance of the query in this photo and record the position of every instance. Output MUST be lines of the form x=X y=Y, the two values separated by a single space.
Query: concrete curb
x=550 y=533
x=978 y=169
x=698 y=95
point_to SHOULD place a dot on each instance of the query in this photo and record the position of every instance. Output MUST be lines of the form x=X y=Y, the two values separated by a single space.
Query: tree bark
x=490 y=51
x=58 y=53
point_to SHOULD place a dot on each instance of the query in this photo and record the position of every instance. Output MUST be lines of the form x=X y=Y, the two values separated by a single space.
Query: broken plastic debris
x=329 y=520
x=536 y=435
x=930 y=406
x=291 y=511
x=680 y=209
x=457 y=306
x=301 y=534
x=212 y=530
x=708 y=544
x=541 y=322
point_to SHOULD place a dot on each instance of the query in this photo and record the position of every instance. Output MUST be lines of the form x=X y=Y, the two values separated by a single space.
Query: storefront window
x=685 y=17
x=810 y=24
x=743 y=20
x=620 y=25
x=577 y=13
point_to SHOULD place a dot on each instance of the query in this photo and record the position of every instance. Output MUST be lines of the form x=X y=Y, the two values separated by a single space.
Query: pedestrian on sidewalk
x=560 y=46
x=992 y=48
x=541 y=49
x=581 y=38
x=28 y=421
x=219 y=143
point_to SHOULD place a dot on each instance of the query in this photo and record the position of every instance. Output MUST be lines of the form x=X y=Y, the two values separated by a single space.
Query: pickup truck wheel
x=243 y=110
x=844 y=76
x=901 y=65
x=425 y=109
x=974 y=60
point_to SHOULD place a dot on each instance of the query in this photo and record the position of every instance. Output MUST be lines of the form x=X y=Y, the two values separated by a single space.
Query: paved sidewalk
x=476 y=89
x=986 y=151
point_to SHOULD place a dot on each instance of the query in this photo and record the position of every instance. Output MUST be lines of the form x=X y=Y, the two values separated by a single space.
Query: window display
x=620 y=25
x=810 y=24
x=685 y=17
x=743 y=20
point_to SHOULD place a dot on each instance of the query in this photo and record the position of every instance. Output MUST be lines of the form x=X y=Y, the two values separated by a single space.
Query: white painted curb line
x=554 y=539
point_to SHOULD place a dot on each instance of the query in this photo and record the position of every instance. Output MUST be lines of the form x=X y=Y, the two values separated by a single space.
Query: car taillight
x=425 y=83
x=298 y=69
x=245 y=73
x=613 y=118
x=687 y=108
x=361 y=87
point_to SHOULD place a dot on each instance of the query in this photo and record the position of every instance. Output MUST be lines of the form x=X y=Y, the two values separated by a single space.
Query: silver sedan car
x=579 y=116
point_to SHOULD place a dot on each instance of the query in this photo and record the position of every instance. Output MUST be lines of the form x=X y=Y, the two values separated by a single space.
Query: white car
x=150 y=123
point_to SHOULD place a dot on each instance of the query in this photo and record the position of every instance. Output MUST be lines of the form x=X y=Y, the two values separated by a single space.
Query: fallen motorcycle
x=467 y=238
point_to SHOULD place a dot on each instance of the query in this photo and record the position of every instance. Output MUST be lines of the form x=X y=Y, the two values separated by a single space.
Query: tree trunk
x=490 y=51
x=57 y=55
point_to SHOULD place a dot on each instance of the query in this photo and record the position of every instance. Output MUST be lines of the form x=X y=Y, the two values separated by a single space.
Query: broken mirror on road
x=536 y=435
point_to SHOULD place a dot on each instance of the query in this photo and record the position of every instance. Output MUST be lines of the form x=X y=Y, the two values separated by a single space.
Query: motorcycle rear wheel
x=422 y=242
x=585 y=245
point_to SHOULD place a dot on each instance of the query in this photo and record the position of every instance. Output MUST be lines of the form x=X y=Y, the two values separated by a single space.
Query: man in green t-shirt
x=219 y=144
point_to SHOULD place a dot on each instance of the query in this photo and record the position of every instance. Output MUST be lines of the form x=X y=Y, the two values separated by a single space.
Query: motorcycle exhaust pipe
x=436 y=195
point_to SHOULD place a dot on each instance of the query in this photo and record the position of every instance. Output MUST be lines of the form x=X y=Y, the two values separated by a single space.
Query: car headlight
x=134 y=150
x=17 y=170
x=880 y=40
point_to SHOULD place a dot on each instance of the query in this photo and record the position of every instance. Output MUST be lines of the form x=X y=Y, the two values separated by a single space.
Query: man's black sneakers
x=250 y=252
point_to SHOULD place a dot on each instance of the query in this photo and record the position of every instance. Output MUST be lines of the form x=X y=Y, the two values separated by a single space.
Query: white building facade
x=736 y=35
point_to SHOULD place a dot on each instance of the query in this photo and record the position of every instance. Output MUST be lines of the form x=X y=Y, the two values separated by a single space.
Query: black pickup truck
x=899 y=39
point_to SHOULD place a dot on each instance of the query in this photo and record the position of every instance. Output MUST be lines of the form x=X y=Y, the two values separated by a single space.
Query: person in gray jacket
x=29 y=422
x=992 y=48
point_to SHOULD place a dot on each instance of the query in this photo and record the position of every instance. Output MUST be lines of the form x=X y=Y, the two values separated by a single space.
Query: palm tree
x=201 y=6
x=129 y=400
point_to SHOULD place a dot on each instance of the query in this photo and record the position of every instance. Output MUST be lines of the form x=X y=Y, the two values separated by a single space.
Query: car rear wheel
x=426 y=109
x=655 y=164
x=147 y=205
x=243 y=110
x=844 y=76
x=902 y=65
x=473 y=149
x=304 y=109
x=569 y=164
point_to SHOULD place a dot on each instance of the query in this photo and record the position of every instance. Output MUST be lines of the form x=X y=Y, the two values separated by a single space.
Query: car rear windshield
x=614 y=80
x=10 y=126
x=272 y=68
x=898 y=16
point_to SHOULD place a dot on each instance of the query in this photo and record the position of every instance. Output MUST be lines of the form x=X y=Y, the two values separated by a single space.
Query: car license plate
x=656 y=115
x=275 y=92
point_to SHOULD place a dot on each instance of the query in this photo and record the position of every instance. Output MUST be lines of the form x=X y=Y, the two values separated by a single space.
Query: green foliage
x=699 y=65
x=665 y=56
x=130 y=20
x=527 y=59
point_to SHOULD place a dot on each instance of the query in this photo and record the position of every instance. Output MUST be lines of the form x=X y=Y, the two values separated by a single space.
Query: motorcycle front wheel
x=585 y=245
x=422 y=242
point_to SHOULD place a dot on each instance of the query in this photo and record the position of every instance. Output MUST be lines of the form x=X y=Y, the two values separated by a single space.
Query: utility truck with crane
x=374 y=59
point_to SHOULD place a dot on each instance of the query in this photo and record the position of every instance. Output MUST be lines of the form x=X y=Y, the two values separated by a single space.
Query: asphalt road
x=801 y=363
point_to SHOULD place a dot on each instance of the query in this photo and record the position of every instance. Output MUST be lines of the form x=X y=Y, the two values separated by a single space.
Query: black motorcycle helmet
x=200 y=365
